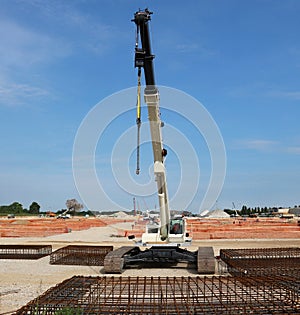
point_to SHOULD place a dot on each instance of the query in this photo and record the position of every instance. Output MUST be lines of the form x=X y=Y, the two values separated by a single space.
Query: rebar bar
x=169 y=295
x=80 y=255
x=24 y=251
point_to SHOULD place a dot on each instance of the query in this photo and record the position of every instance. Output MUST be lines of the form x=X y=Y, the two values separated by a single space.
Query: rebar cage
x=262 y=261
x=169 y=295
x=24 y=251
x=80 y=255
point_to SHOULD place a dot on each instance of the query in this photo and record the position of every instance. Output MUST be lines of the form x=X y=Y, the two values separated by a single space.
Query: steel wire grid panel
x=168 y=295
x=80 y=255
x=259 y=253
x=262 y=261
x=24 y=251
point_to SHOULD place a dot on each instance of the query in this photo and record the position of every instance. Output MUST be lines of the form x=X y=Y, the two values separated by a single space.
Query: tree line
x=17 y=208
x=73 y=206
x=247 y=211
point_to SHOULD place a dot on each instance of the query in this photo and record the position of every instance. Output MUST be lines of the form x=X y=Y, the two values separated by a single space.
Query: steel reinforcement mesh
x=24 y=251
x=262 y=261
x=80 y=255
x=260 y=253
x=169 y=295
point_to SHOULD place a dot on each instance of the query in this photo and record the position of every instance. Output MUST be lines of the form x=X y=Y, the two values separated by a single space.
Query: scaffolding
x=262 y=261
x=24 y=251
x=80 y=255
x=169 y=295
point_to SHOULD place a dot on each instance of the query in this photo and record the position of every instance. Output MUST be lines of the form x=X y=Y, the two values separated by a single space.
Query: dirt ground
x=23 y=280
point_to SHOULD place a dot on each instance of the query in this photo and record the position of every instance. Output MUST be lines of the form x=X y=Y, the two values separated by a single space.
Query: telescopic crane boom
x=144 y=59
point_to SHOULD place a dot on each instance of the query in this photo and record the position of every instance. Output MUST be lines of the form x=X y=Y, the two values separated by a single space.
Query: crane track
x=206 y=260
x=114 y=261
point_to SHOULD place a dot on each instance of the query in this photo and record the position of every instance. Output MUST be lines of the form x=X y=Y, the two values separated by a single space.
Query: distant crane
x=146 y=206
x=134 y=206
x=234 y=209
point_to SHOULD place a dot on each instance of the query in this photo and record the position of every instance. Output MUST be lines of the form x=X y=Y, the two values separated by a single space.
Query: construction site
x=64 y=272
x=124 y=264
x=199 y=228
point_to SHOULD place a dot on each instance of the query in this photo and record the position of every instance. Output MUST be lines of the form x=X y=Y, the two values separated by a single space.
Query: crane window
x=176 y=227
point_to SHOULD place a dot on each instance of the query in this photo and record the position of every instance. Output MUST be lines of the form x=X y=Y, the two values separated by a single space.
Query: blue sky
x=240 y=59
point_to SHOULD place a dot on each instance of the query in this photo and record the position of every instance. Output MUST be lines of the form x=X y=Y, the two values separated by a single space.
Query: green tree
x=4 y=209
x=15 y=207
x=265 y=209
x=34 y=208
x=244 y=210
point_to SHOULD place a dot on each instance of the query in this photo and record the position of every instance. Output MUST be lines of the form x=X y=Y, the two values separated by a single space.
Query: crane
x=170 y=231
x=168 y=237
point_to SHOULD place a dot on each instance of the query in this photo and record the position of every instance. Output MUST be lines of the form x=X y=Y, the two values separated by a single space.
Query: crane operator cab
x=176 y=226
x=178 y=232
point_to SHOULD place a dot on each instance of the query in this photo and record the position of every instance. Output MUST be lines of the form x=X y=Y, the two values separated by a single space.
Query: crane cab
x=177 y=233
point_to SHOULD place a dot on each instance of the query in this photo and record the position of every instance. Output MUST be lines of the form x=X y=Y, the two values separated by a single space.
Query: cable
x=138 y=122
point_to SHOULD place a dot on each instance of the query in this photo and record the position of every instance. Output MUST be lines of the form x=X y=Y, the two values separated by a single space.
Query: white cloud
x=14 y=94
x=189 y=48
x=23 y=47
x=267 y=146
x=92 y=35
x=262 y=90
x=290 y=95
x=295 y=95
x=293 y=150
x=257 y=144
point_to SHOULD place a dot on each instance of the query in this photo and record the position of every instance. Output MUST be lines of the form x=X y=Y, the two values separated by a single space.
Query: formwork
x=168 y=295
x=24 y=251
x=262 y=261
x=80 y=255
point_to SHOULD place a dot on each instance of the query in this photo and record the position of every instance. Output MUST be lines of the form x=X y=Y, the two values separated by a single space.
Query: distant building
x=295 y=211
x=283 y=210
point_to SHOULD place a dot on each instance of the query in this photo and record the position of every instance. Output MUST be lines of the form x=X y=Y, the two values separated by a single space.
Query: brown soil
x=23 y=280
x=199 y=229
